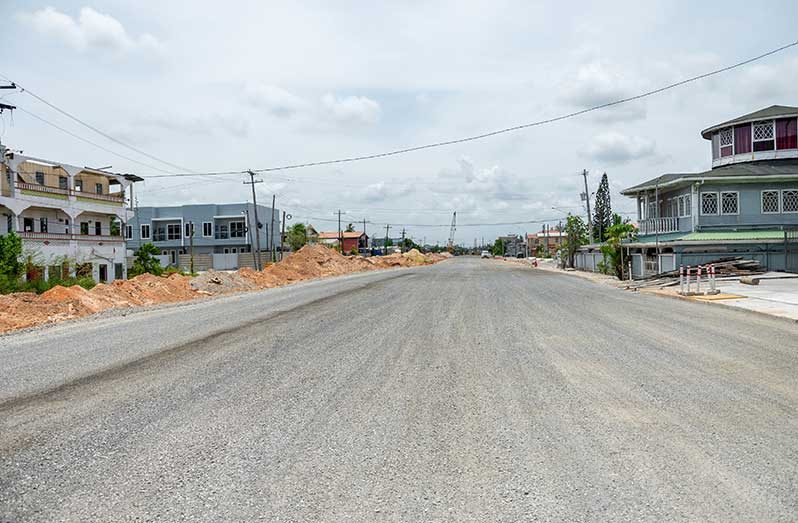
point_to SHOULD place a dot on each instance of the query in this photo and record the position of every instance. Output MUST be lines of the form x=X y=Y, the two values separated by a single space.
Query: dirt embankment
x=21 y=310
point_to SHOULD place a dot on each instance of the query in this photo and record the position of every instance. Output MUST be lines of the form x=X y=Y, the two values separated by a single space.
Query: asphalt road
x=468 y=391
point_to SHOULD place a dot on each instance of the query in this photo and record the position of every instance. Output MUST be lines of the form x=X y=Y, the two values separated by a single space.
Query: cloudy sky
x=213 y=86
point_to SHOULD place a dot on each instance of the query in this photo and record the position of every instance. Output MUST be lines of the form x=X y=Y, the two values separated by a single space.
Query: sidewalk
x=776 y=294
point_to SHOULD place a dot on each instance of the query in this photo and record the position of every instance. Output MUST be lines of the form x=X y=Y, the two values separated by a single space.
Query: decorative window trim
x=720 y=203
x=762 y=201
x=782 y=201
x=148 y=229
x=726 y=137
x=758 y=126
x=701 y=204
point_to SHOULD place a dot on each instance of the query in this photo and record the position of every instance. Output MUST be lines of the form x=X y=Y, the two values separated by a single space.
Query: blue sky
x=213 y=86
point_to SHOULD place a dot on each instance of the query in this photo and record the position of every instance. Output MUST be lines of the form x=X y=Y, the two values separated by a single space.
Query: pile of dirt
x=222 y=282
x=21 y=310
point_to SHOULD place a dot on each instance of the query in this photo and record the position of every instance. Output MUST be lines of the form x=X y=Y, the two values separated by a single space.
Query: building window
x=42 y=224
x=221 y=232
x=188 y=227
x=709 y=203
x=787 y=133
x=98 y=188
x=742 y=139
x=688 y=205
x=145 y=231
x=173 y=231
x=84 y=228
x=236 y=229
x=684 y=205
x=727 y=141
x=207 y=229
x=98 y=228
x=40 y=177
x=63 y=183
x=789 y=200
x=770 y=202
x=128 y=231
x=763 y=136
x=79 y=185
x=729 y=202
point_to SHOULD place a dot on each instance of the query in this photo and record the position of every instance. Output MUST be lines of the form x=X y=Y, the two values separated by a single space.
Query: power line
x=495 y=224
x=508 y=129
x=70 y=133
x=95 y=129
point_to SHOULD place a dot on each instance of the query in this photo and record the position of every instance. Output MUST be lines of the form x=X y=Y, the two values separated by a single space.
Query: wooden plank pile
x=724 y=268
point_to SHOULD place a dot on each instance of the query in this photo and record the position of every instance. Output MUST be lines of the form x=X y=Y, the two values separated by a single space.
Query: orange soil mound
x=21 y=310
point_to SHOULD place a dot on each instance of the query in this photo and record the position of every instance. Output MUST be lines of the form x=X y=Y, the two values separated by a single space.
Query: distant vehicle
x=485 y=254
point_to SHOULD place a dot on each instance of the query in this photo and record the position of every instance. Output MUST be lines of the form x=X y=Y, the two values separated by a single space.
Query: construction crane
x=450 y=244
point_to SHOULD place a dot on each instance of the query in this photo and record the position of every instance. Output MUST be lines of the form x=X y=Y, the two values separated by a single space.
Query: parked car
x=485 y=254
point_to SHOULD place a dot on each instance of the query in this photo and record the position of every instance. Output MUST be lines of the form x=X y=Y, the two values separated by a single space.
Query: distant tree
x=389 y=242
x=617 y=232
x=297 y=236
x=602 y=215
x=575 y=237
x=350 y=228
x=498 y=247
x=146 y=261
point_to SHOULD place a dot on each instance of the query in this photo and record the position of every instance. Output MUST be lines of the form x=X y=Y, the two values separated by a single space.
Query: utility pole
x=271 y=228
x=587 y=202
x=282 y=236
x=249 y=230
x=340 y=233
x=364 y=233
x=402 y=246
x=252 y=181
x=191 y=247
x=385 y=245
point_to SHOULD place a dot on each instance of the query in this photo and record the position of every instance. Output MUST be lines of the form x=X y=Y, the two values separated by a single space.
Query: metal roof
x=757 y=171
x=734 y=235
x=774 y=111
x=334 y=235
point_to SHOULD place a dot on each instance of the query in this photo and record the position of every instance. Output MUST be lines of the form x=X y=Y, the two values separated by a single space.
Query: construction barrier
x=686 y=280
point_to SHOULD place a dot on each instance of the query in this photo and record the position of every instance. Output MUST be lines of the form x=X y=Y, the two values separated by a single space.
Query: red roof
x=334 y=235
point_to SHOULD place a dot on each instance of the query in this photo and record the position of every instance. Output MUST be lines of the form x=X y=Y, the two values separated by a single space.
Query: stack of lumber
x=724 y=268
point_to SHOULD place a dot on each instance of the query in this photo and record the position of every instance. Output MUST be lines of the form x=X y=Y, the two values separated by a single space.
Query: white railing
x=659 y=225
x=57 y=236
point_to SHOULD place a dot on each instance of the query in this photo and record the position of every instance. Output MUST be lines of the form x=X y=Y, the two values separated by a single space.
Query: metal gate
x=791 y=250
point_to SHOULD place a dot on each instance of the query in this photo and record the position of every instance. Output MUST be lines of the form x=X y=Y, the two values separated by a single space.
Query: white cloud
x=91 y=29
x=616 y=148
x=596 y=83
x=351 y=109
x=275 y=100
x=381 y=191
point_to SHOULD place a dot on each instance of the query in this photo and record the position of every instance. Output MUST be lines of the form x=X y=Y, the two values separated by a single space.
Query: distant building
x=551 y=240
x=218 y=229
x=513 y=245
x=69 y=218
x=351 y=240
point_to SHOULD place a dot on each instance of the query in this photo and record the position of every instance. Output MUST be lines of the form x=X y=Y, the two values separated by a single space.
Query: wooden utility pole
x=282 y=236
x=340 y=233
x=191 y=247
x=402 y=246
x=364 y=233
x=271 y=228
x=587 y=201
x=385 y=245
x=252 y=181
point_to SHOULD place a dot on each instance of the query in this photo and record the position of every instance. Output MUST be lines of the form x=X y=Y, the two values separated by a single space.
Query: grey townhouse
x=221 y=232
x=745 y=205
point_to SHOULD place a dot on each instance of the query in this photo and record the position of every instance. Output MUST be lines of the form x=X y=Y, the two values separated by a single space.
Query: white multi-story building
x=67 y=216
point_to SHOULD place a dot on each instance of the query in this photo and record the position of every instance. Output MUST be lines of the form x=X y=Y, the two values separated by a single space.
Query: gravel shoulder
x=465 y=391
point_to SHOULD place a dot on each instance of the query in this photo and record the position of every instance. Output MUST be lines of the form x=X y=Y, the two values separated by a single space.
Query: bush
x=146 y=261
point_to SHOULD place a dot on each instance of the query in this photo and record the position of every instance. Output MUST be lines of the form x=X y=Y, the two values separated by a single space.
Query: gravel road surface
x=472 y=390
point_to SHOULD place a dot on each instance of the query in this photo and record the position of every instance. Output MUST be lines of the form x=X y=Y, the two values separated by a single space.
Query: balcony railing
x=46 y=189
x=56 y=236
x=41 y=188
x=659 y=226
